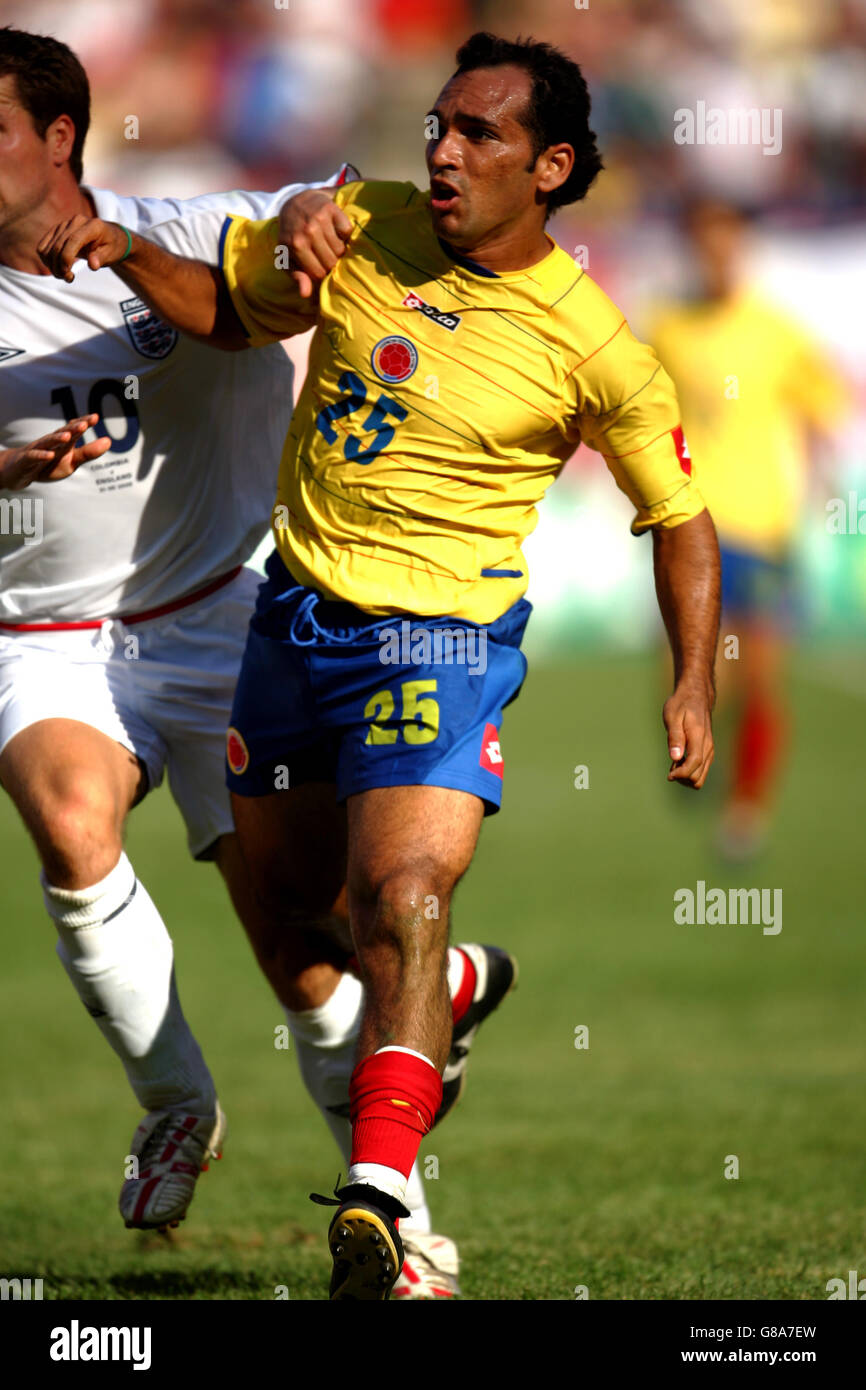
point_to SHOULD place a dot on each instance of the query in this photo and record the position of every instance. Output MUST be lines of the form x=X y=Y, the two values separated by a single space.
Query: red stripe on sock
x=394 y=1097
x=466 y=993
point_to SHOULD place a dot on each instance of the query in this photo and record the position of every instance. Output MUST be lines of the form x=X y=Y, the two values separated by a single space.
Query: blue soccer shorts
x=326 y=693
x=758 y=588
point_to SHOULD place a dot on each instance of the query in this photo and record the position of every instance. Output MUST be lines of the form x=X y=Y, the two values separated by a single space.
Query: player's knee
x=405 y=908
x=77 y=831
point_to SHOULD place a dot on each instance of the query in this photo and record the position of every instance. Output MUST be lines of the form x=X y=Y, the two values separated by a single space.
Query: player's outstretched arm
x=688 y=582
x=54 y=456
x=189 y=294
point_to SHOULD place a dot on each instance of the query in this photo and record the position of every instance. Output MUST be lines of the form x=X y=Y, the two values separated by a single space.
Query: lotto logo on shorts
x=682 y=449
x=394 y=359
x=237 y=753
x=491 y=754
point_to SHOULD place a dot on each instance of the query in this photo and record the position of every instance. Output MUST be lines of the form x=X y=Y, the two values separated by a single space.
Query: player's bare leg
x=285 y=871
x=408 y=848
x=287 y=838
x=73 y=787
x=286 y=874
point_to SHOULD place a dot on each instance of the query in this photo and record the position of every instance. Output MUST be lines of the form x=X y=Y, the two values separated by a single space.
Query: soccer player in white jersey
x=123 y=616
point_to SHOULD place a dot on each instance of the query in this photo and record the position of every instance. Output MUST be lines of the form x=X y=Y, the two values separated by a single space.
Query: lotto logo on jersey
x=682 y=449
x=150 y=336
x=237 y=753
x=394 y=359
x=449 y=321
x=491 y=753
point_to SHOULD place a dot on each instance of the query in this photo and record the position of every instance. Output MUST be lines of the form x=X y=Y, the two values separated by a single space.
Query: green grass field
x=601 y=1167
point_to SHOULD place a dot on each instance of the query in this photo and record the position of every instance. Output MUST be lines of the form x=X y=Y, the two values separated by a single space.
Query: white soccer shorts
x=162 y=688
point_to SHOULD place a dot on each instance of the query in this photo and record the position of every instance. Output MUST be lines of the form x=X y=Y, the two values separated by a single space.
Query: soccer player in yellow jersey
x=459 y=358
x=753 y=387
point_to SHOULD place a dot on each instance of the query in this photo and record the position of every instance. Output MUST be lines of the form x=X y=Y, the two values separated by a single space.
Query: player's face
x=716 y=234
x=482 y=174
x=26 y=168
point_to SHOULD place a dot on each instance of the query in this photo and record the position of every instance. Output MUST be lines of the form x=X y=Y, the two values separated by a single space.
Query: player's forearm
x=188 y=294
x=688 y=584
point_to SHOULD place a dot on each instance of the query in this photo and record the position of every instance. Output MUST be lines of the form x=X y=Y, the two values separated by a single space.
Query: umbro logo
x=7 y=352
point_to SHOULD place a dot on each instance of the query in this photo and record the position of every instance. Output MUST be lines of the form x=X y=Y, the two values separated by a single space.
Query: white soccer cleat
x=430 y=1266
x=172 y=1148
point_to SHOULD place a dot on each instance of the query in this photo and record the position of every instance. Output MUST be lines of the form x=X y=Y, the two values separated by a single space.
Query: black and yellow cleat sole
x=367 y=1257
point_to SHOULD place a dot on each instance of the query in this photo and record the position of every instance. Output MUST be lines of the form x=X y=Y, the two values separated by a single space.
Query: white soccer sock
x=380 y=1176
x=117 y=953
x=326 y=1039
x=419 y=1212
x=409 y=1191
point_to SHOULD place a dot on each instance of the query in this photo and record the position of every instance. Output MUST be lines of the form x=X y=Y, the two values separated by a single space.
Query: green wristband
x=128 y=250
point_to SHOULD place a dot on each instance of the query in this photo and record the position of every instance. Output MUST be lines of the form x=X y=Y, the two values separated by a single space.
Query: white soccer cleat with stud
x=430 y=1266
x=171 y=1149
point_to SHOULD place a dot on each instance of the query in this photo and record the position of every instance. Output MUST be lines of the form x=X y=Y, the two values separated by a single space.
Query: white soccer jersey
x=185 y=492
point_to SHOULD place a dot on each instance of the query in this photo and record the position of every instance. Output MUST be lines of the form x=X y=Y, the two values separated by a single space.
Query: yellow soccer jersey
x=440 y=403
x=749 y=382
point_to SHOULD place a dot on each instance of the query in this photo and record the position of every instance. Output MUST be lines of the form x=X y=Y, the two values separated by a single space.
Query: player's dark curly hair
x=50 y=82
x=557 y=111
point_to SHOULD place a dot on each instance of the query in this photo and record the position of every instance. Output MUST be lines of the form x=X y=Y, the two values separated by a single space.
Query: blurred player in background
x=755 y=390
x=122 y=630
x=403 y=508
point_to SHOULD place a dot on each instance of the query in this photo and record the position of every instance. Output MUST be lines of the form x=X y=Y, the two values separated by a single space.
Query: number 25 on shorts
x=420 y=714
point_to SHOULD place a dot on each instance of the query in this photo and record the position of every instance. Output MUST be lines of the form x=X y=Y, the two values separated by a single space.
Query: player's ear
x=554 y=165
x=60 y=139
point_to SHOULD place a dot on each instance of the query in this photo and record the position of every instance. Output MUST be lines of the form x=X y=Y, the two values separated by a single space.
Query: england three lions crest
x=150 y=336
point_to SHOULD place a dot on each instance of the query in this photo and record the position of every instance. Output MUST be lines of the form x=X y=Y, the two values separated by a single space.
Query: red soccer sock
x=394 y=1097
x=466 y=990
x=759 y=742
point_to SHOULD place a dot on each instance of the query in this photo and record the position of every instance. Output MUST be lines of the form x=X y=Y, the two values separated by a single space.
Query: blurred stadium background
x=729 y=1042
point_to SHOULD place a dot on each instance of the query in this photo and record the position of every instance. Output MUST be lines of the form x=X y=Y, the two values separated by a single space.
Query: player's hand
x=82 y=238
x=687 y=718
x=54 y=456
x=315 y=231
